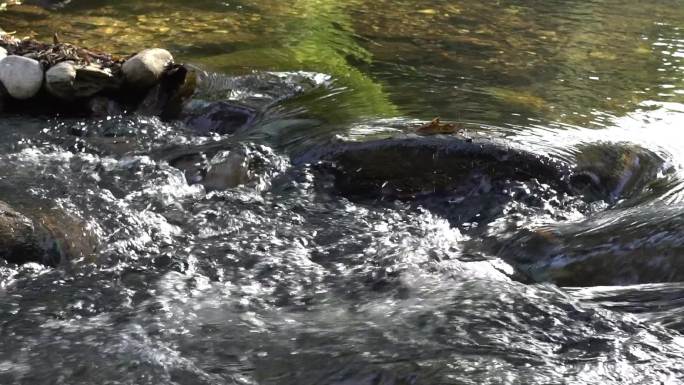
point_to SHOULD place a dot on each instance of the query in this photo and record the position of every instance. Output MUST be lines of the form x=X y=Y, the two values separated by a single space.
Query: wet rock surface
x=406 y=168
x=218 y=117
x=617 y=171
x=19 y=242
x=613 y=248
x=469 y=181
x=221 y=166
x=48 y=238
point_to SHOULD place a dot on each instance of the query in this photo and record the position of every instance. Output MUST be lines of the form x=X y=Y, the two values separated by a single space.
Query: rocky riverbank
x=61 y=78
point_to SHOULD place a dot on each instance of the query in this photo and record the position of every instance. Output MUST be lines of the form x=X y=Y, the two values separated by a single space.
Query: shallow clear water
x=281 y=280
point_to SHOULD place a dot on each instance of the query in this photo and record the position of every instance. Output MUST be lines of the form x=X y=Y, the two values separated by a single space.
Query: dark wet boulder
x=19 y=242
x=167 y=98
x=48 y=237
x=470 y=182
x=615 y=171
x=406 y=168
x=616 y=247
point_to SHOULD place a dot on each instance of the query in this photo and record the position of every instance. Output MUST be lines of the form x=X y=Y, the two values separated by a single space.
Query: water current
x=275 y=277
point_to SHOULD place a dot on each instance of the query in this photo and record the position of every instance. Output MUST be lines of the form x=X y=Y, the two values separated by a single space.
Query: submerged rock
x=617 y=170
x=21 y=76
x=616 y=247
x=228 y=169
x=219 y=117
x=102 y=107
x=243 y=165
x=472 y=183
x=146 y=68
x=221 y=166
x=48 y=237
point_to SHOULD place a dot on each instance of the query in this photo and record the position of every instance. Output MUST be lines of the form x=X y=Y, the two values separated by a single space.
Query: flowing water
x=279 y=280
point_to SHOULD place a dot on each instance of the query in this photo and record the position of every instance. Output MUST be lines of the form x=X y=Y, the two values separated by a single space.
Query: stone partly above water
x=21 y=76
x=70 y=81
x=18 y=240
x=47 y=238
x=417 y=166
x=60 y=78
x=414 y=167
x=619 y=170
x=481 y=184
x=615 y=247
x=225 y=165
x=147 y=67
x=469 y=182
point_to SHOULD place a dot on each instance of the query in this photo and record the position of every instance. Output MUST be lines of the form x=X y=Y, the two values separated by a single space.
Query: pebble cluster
x=24 y=77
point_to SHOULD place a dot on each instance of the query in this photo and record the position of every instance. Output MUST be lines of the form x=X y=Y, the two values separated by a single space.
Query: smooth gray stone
x=146 y=68
x=59 y=80
x=69 y=81
x=21 y=76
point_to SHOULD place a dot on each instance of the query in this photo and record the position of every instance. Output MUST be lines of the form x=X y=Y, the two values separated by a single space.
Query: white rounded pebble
x=146 y=68
x=21 y=76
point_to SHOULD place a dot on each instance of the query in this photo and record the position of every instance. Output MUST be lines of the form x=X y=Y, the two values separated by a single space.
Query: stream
x=246 y=253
